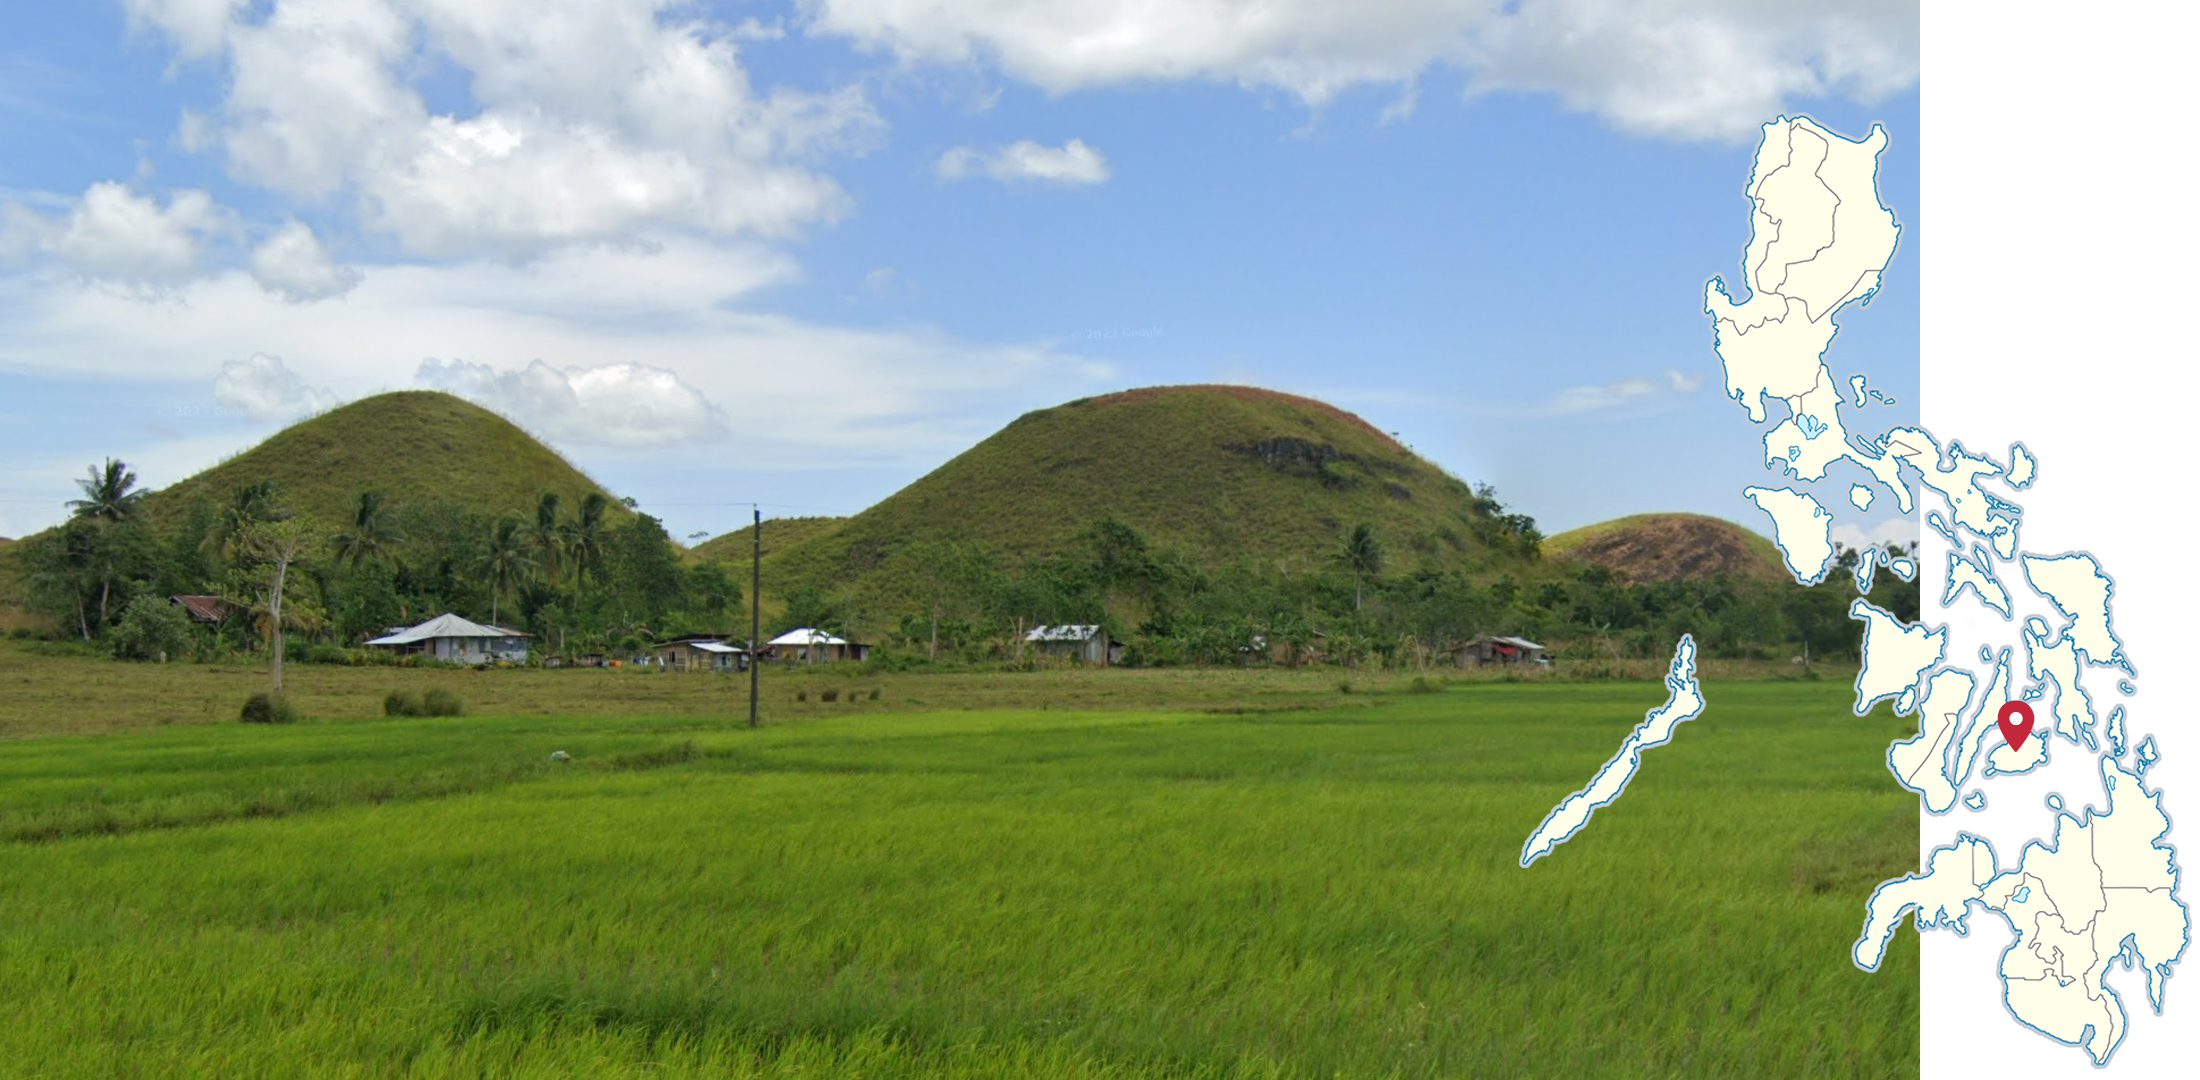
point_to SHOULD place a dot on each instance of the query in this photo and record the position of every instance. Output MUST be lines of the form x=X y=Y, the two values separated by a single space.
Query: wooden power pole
x=756 y=602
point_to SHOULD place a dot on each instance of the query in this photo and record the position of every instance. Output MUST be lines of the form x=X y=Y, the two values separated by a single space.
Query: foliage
x=151 y=628
x=266 y=708
x=437 y=701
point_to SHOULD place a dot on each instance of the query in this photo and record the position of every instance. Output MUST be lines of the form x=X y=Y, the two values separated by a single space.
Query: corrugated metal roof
x=203 y=608
x=446 y=626
x=806 y=636
x=1066 y=632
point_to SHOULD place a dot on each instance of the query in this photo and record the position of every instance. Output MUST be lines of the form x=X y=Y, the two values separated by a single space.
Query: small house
x=700 y=654
x=459 y=641
x=1485 y=649
x=203 y=609
x=809 y=645
x=1082 y=642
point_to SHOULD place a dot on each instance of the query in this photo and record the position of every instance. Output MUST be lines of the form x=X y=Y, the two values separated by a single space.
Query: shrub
x=327 y=654
x=1422 y=684
x=802 y=695
x=1344 y=686
x=150 y=628
x=436 y=702
x=265 y=708
x=441 y=702
x=874 y=693
x=828 y=695
x=402 y=703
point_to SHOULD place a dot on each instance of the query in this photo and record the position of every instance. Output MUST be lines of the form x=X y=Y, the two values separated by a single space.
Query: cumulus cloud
x=294 y=265
x=264 y=388
x=1896 y=530
x=808 y=395
x=1683 y=68
x=116 y=235
x=1071 y=163
x=1683 y=381
x=611 y=405
x=592 y=119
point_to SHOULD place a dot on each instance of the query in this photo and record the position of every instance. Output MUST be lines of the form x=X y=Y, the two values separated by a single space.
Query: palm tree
x=371 y=536
x=109 y=502
x=584 y=543
x=1362 y=557
x=507 y=563
x=108 y=494
x=253 y=504
x=550 y=536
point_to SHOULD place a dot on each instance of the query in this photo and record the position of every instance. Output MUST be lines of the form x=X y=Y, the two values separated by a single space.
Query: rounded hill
x=1669 y=547
x=1217 y=473
x=413 y=445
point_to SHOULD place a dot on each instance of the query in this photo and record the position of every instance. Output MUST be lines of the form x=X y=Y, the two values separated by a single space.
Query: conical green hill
x=1669 y=547
x=1218 y=473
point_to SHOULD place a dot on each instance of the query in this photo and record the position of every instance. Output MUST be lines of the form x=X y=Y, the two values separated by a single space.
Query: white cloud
x=611 y=405
x=1072 y=163
x=1576 y=399
x=1685 y=68
x=196 y=25
x=1898 y=530
x=262 y=387
x=799 y=395
x=293 y=264
x=1683 y=381
x=592 y=120
x=115 y=235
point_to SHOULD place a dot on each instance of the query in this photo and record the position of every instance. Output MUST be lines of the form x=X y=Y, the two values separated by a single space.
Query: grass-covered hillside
x=1669 y=547
x=1217 y=473
x=780 y=534
x=412 y=445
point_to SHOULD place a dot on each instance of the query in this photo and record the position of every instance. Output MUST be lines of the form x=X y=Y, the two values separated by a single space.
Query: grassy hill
x=780 y=534
x=1669 y=547
x=1220 y=473
x=410 y=445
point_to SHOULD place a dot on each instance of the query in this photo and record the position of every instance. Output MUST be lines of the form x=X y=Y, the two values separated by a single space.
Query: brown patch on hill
x=1243 y=393
x=1676 y=547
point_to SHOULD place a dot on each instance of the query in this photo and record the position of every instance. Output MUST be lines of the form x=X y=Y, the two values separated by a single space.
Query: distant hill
x=780 y=534
x=1219 y=473
x=1669 y=547
x=409 y=445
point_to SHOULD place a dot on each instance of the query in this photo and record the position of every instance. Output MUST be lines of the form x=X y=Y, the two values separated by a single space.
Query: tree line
x=596 y=576
x=601 y=577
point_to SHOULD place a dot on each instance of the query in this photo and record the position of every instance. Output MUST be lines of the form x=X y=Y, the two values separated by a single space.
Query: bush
x=264 y=708
x=1422 y=684
x=436 y=702
x=327 y=654
x=828 y=695
x=802 y=695
x=874 y=693
x=150 y=628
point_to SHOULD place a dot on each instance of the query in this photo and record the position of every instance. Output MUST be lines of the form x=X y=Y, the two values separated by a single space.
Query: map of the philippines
x=2101 y=889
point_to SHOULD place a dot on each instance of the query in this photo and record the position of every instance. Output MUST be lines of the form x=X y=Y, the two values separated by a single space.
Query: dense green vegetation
x=586 y=576
x=1327 y=892
x=1200 y=525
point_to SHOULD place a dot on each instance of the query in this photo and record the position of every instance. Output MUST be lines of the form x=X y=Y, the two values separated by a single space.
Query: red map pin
x=2016 y=723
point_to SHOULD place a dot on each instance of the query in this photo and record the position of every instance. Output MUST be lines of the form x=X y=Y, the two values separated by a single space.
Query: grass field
x=1325 y=887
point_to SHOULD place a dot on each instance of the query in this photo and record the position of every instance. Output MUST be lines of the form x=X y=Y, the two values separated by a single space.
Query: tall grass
x=984 y=893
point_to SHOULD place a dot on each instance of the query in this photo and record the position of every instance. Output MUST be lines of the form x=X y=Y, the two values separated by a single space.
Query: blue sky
x=802 y=253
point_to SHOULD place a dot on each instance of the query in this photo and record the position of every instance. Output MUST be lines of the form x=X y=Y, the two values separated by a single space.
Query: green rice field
x=1314 y=889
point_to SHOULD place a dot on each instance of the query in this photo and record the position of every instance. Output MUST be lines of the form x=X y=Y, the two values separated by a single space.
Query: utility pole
x=756 y=602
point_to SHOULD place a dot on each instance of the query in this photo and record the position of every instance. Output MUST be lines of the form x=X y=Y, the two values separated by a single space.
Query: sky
x=800 y=254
